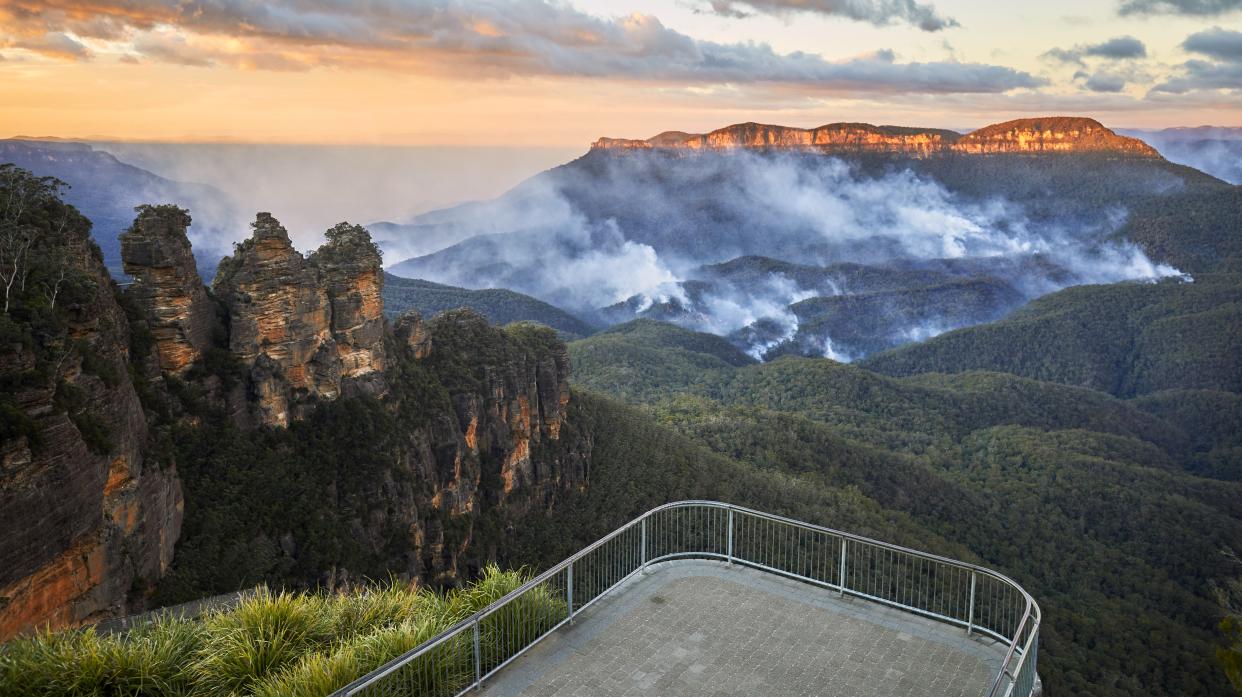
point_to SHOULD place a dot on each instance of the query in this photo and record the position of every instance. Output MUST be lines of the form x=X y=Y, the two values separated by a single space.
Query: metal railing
x=979 y=600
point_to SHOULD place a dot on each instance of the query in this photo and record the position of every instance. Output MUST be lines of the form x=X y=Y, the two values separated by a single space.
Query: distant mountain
x=1127 y=339
x=106 y=190
x=942 y=230
x=1024 y=136
x=1213 y=149
x=499 y=306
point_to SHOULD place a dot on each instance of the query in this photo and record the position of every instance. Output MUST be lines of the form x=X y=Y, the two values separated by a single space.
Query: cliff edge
x=1021 y=136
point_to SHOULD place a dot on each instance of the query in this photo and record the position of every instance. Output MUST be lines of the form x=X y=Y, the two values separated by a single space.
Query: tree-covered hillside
x=498 y=305
x=1125 y=339
x=1088 y=500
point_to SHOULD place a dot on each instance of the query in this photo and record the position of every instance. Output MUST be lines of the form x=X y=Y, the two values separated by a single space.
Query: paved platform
x=706 y=629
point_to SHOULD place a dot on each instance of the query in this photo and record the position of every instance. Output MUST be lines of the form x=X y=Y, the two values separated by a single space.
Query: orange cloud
x=520 y=38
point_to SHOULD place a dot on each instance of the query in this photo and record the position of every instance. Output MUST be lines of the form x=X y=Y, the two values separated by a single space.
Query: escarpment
x=499 y=451
x=1021 y=136
x=89 y=509
x=167 y=288
x=318 y=445
x=472 y=415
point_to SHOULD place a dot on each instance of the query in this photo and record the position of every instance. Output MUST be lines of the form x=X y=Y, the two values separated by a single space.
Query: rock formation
x=1026 y=136
x=92 y=505
x=306 y=329
x=167 y=288
x=353 y=277
x=1055 y=134
x=89 y=515
x=501 y=447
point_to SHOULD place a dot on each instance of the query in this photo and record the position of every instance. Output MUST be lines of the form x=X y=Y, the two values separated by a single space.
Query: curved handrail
x=1028 y=626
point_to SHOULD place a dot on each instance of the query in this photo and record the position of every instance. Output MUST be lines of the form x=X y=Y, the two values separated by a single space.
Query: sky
x=560 y=74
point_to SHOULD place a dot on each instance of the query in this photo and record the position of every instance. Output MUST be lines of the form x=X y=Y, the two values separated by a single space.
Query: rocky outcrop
x=502 y=445
x=1048 y=135
x=89 y=515
x=353 y=277
x=167 y=288
x=1024 y=136
x=91 y=501
x=306 y=329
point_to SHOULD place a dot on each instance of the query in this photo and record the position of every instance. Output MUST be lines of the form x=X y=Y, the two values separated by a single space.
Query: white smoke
x=919 y=215
x=924 y=331
x=813 y=211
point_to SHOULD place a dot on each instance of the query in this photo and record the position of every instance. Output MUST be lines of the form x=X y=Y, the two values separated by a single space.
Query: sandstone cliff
x=114 y=401
x=90 y=515
x=1022 y=136
x=499 y=451
x=469 y=419
x=305 y=329
x=166 y=287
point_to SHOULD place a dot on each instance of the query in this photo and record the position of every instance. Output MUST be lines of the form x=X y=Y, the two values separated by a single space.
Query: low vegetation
x=272 y=644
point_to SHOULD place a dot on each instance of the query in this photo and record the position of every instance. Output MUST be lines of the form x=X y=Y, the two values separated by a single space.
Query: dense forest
x=1101 y=507
x=498 y=305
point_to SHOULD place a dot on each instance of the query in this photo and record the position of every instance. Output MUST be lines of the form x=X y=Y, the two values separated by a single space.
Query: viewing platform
x=707 y=599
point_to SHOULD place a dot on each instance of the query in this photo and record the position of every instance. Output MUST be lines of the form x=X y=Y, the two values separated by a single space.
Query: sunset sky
x=535 y=72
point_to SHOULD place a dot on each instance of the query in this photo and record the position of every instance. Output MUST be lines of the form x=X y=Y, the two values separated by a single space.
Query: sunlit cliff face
x=1062 y=134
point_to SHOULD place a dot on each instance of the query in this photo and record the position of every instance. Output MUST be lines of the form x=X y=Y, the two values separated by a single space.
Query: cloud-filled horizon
x=217 y=66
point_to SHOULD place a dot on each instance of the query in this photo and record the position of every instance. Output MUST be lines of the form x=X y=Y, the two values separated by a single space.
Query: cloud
x=1203 y=75
x=1195 y=8
x=1224 y=73
x=1105 y=82
x=1221 y=44
x=51 y=44
x=491 y=39
x=1116 y=48
x=877 y=12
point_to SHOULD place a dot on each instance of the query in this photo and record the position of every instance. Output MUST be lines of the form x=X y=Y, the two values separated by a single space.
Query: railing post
x=642 y=547
x=841 y=570
x=970 y=614
x=729 y=544
x=569 y=590
x=478 y=658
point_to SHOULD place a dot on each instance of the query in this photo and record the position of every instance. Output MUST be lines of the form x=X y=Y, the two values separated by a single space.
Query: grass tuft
x=284 y=644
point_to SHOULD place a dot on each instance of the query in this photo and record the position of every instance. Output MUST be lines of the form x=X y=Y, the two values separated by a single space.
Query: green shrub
x=276 y=643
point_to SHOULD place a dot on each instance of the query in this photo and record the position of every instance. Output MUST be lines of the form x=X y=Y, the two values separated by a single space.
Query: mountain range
x=841 y=240
x=107 y=189
x=1045 y=379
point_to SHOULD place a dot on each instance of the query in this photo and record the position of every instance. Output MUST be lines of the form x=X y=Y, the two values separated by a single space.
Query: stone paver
x=705 y=629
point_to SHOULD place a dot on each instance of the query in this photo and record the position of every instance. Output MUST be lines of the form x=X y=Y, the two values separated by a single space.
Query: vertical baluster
x=970 y=616
x=478 y=657
x=841 y=571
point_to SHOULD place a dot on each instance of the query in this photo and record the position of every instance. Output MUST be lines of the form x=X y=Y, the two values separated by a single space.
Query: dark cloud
x=1116 y=48
x=1105 y=82
x=1224 y=73
x=1204 y=75
x=522 y=37
x=1196 y=8
x=1221 y=44
x=878 y=12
